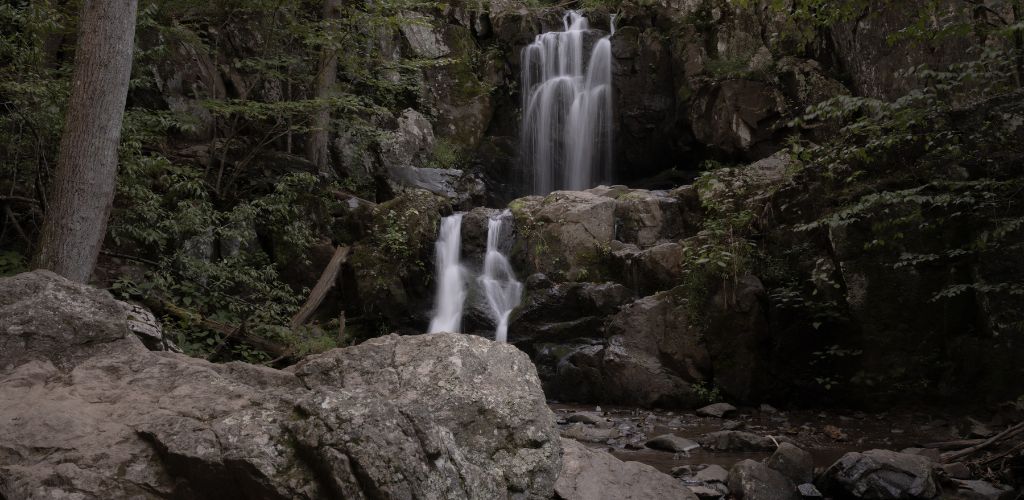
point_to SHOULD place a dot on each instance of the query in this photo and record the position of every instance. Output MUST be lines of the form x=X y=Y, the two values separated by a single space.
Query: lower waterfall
x=451 y=285
x=498 y=280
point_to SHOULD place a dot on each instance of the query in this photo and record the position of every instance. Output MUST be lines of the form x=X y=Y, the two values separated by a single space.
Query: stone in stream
x=881 y=475
x=587 y=418
x=582 y=432
x=732 y=425
x=717 y=410
x=740 y=441
x=671 y=442
x=793 y=462
x=751 y=480
x=589 y=474
x=712 y=474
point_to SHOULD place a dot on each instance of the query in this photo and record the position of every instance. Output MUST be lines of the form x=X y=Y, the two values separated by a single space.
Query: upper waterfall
x=567 y=107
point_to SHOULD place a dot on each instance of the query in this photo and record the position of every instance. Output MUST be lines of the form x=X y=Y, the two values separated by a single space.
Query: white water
x=498 y=280
x=567 y=108
x=451 y=286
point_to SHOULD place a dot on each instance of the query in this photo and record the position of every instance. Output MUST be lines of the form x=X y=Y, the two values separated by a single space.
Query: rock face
x=595 y=475
x=86 y=411
x=608 y=316
x=881 y=474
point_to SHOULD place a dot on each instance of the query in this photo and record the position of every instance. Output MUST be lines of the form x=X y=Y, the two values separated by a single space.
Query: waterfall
x=498 y=280
x=567 y=108
x=451 y=287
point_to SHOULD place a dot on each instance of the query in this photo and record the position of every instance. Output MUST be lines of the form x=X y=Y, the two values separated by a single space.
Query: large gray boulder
x=589 y=474
x=86 y=411
x=881 y=474
x=750 y=480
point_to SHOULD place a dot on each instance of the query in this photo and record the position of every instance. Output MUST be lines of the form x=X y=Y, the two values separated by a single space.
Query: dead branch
x=225 y=329
x=324 y=285
x=953 y=445
x=1006 y=434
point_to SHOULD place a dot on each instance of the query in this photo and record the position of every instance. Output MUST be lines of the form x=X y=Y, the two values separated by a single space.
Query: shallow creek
x=827 y=435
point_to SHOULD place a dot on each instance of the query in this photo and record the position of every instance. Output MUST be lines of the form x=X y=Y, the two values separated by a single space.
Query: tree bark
x=83 y=188
x=318 y=142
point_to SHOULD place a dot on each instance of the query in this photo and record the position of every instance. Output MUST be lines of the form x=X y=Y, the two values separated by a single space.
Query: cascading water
x=567 y=108
x=451 y=287
x=498 y=280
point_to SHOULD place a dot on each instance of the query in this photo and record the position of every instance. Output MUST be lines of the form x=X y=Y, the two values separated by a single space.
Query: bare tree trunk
x=318 y=143
x=1018 y=41
x=83 y=187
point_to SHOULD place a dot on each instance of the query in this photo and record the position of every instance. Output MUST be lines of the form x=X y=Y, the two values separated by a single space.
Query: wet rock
x=594 y=475
x=656 y=327
x=409 y=144
x=588 y=418
x=87 y=411
x=835 y=433
x=581 y=432
x=808 y=490
x=739 y=117
x=671 y=442
x=929 y=453
x=710 y=490
x=750 y=480
x=736 y=337
x=611 y=373
x=980 y=490
x=717 y=410
x=740 y=441
x=881 y=474
x=566 y=311
x=793 y=462
x=567 y=230
x=956 y=470
x=712 y=474
x=146 y=327
x=732 y=425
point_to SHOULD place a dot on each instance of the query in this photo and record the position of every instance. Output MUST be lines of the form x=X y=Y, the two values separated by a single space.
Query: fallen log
x=323 y=285
x=953 y=445
x=229 y=331
x=1006 y=434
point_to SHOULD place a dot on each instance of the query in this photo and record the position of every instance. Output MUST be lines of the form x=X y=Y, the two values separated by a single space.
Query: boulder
x=750 y=480
x=410 y=143
x=658 y=326
x=881 y=474
x=793 y=462
x=563 y=231
x=564 y=311
x=739 y=117
x=87 y=411
x=671 y=442
x=611 y=373
x=589 y=474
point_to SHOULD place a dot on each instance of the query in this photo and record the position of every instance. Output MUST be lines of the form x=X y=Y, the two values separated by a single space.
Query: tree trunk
x=83 y=187
x=318 y=143
x=1018 y=41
